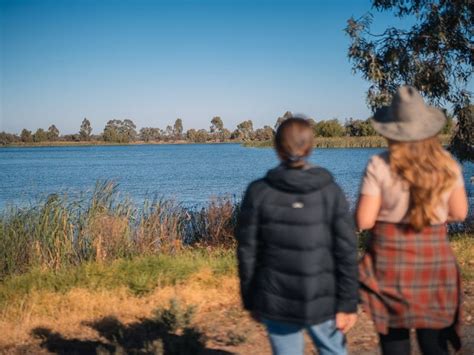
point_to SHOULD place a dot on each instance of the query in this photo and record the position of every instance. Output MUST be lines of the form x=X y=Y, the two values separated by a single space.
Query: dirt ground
x=116 y=323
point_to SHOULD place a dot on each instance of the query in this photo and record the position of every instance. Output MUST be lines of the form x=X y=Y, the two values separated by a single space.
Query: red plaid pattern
x=410 y=279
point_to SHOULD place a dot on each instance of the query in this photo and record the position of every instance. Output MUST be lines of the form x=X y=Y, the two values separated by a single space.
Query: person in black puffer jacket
x=297 y=250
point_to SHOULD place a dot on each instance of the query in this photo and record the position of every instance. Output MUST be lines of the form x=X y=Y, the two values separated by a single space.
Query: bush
x=214 y=224
x=329 y=128
x=7 y=138
x=175 y=317
x=359 y=128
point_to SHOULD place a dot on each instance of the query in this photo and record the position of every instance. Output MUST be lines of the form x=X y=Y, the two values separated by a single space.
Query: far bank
x=320 y=142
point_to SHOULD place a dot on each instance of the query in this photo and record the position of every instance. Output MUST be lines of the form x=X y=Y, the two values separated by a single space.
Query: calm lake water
x=190 y=174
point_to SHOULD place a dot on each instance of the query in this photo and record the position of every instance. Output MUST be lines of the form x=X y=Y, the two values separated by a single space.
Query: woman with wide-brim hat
x=409 y=276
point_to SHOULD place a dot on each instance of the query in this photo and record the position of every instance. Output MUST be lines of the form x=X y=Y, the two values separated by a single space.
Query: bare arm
x=367 y=211
x=457 y=205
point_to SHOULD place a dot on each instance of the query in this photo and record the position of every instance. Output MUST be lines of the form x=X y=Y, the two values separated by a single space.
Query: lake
x=190 y=174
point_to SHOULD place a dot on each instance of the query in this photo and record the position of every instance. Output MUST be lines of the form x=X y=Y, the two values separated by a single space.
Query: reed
x=213 y=225
x=61 y=232
x=343 y=142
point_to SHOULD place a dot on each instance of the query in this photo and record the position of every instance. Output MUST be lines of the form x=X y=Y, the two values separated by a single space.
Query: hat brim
x=429 y=123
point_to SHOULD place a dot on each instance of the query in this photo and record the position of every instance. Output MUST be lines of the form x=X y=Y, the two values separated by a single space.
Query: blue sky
x=154 y=61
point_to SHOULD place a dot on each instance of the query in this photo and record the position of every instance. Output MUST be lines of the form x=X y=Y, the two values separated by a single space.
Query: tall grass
x=60 y=232
x=343 y=142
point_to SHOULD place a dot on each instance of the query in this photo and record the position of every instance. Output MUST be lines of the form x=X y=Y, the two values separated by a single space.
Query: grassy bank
x=343 y=142
x=139 y=275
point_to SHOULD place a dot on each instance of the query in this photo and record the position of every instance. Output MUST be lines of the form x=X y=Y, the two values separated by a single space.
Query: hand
x=345 y=321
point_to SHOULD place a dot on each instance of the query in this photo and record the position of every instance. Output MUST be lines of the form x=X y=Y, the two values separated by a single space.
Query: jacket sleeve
x=246 y=234
x=345 y=254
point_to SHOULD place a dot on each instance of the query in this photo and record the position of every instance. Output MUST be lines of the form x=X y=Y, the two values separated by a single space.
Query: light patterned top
x=379 y=180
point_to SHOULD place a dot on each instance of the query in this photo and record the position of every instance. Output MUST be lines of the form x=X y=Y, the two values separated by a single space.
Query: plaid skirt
x=411 y=279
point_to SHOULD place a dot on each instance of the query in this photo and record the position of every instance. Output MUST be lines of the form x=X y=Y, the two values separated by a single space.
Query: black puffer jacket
x=297 y=248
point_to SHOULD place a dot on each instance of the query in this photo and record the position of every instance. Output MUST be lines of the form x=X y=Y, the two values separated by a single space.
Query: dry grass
x=463 y=247
x=68 y=312
x=208 y=283
x=214 y=225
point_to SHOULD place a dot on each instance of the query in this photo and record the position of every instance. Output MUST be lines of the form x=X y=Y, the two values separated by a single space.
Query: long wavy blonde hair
x=429 y=171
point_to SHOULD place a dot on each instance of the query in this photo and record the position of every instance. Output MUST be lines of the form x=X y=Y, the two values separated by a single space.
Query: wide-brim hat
x=408 y=118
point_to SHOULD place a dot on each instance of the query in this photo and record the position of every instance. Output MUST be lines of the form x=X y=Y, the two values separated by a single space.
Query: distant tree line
x=125 y=131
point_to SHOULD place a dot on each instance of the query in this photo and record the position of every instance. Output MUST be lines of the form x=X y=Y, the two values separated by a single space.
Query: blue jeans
x=287 y=338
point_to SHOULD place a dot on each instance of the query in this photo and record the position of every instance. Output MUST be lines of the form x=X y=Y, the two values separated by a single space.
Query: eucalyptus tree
x=8 y=138
x=26 y=136
x=128 y=130
x=435 y=55
x=178 y=129
x=245 y=130
x=40 y=135
x=53 y=133
x=120 y=131
x=280 y=119
x=328 y=128
x=197 y=136
x=86 y=130
x=217 y=128
x=264 y=134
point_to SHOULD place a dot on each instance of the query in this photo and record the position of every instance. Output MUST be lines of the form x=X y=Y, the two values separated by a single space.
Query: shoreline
x=320 y=142
x=60 y=144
